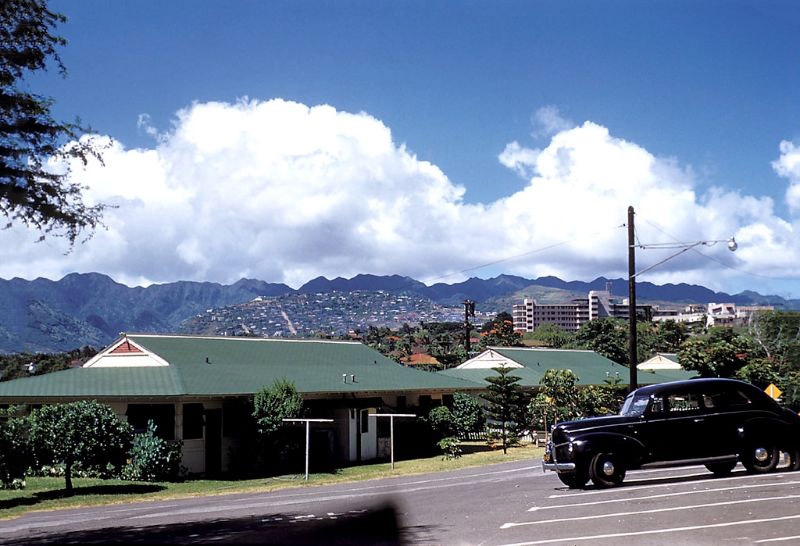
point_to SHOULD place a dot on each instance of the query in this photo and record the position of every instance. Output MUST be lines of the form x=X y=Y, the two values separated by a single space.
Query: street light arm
x=666 y=259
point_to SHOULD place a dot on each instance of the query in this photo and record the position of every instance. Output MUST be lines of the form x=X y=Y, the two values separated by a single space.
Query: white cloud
x=788 y=166
x=284 y=192
x=548 y=121
x=520 y=159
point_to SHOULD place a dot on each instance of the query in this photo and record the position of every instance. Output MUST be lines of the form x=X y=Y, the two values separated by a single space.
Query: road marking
x=660 y=485
x=656 y=531
x=779 y=539
x=658 y=496
x=652 y=511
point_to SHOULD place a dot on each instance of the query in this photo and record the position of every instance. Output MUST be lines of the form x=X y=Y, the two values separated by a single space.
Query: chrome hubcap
x=761 y=454
x=608 y=468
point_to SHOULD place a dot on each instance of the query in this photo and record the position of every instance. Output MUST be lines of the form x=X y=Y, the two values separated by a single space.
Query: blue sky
x=713 y=87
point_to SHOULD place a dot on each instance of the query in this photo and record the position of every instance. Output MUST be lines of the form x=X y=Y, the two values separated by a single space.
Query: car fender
x=629 y=448
x=784 y=434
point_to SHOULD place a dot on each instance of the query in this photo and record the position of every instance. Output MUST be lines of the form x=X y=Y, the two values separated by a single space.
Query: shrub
x=153 y=458
x=450 y=447
x=442 y=422
x=14 y=452
x=467 y=414
x=271 y=405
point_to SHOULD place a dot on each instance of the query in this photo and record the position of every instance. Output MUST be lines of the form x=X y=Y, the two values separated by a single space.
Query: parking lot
x=670 y=506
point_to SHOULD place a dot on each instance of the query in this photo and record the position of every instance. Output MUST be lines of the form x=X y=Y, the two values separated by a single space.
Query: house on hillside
x=530 y=364
x=193 y=387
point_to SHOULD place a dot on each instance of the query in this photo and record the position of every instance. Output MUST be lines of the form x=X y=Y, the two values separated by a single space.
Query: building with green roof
x=192 y=388
x=530 y=364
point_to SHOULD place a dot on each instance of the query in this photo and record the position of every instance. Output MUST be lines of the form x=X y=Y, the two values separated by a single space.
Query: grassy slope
x=48 y=493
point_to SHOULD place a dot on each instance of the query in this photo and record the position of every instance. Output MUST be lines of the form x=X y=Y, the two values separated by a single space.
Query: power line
x=720 y=262
x=518 y=256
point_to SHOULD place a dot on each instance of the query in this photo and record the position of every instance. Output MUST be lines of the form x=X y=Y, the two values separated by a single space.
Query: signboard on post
x=773 y=391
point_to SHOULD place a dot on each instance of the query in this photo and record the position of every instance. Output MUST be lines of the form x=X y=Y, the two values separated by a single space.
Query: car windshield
x=634 y=405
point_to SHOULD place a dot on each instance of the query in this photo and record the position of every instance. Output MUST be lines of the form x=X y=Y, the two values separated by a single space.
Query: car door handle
x=699 y=420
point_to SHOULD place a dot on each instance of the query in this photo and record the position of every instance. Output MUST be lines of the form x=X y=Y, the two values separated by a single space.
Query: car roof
x=693 y=383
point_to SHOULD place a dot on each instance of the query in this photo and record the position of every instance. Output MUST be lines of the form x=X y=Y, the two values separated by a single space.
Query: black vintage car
x=715 y=422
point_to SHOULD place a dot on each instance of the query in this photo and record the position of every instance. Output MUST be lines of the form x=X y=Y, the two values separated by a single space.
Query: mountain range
x=91 y=308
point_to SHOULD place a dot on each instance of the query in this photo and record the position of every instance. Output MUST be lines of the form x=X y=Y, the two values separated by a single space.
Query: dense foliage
x=18 y=365
x=442 y=340
x=14 y=449
x=152 y=458
x=560 y=399
x=30 y=192
x=271 y=406
x=85 y=432
x=499 y=333
x=467 y=414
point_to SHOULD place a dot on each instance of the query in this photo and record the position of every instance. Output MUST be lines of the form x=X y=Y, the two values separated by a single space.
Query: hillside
x=91 y=308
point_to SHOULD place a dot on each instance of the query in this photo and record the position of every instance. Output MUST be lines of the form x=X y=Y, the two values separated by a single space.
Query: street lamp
x=632 y=274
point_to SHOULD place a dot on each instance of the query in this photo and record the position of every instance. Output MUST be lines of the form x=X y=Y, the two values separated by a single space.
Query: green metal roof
x=590 y=367
x=204 y=366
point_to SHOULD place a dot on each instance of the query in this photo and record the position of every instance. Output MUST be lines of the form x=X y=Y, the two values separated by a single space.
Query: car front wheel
x=606 y=470
x=760 y=457
x=574 y=480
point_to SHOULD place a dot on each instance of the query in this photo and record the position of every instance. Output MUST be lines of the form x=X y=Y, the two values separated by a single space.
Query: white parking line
x=660 y=485
x=656 y=531
x=779 y=539
x=652 y=511
x=658 y=496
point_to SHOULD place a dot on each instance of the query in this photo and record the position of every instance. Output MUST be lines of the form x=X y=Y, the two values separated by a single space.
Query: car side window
x=657 y=407
x=725 y=400
x=683 y=402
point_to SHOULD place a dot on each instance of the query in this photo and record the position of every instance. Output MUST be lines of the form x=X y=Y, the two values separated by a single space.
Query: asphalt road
x=513 y=503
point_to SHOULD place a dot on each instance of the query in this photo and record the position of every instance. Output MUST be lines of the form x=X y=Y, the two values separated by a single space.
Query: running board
x=683 y=462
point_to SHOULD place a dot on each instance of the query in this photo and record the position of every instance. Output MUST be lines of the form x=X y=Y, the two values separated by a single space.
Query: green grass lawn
x=48 y=493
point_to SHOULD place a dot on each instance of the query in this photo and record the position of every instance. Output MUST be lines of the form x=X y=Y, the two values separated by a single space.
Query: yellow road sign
x=773 y=391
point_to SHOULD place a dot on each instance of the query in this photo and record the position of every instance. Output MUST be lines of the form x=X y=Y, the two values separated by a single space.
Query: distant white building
x=529 y=315
x=728 y=314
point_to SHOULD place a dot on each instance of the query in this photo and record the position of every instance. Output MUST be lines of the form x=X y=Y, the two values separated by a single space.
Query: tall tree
x=506 y=404
x=39 y=197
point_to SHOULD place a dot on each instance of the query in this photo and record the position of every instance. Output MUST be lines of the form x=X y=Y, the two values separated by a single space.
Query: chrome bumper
x=549 y=462
x=558 y=467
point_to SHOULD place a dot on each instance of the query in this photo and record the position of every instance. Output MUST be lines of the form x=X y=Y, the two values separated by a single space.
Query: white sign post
x=308 y=434
x=391 y=417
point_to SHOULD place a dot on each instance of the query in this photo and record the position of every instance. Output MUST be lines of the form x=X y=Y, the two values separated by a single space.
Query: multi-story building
x=729 y=314
x=529 y=315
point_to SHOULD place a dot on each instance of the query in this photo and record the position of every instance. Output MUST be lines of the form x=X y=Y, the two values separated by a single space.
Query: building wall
x=529 y=315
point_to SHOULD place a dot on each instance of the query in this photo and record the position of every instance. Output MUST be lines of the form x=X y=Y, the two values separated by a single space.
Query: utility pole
x=632 y=358
x=469 y=309
x=633 y=274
